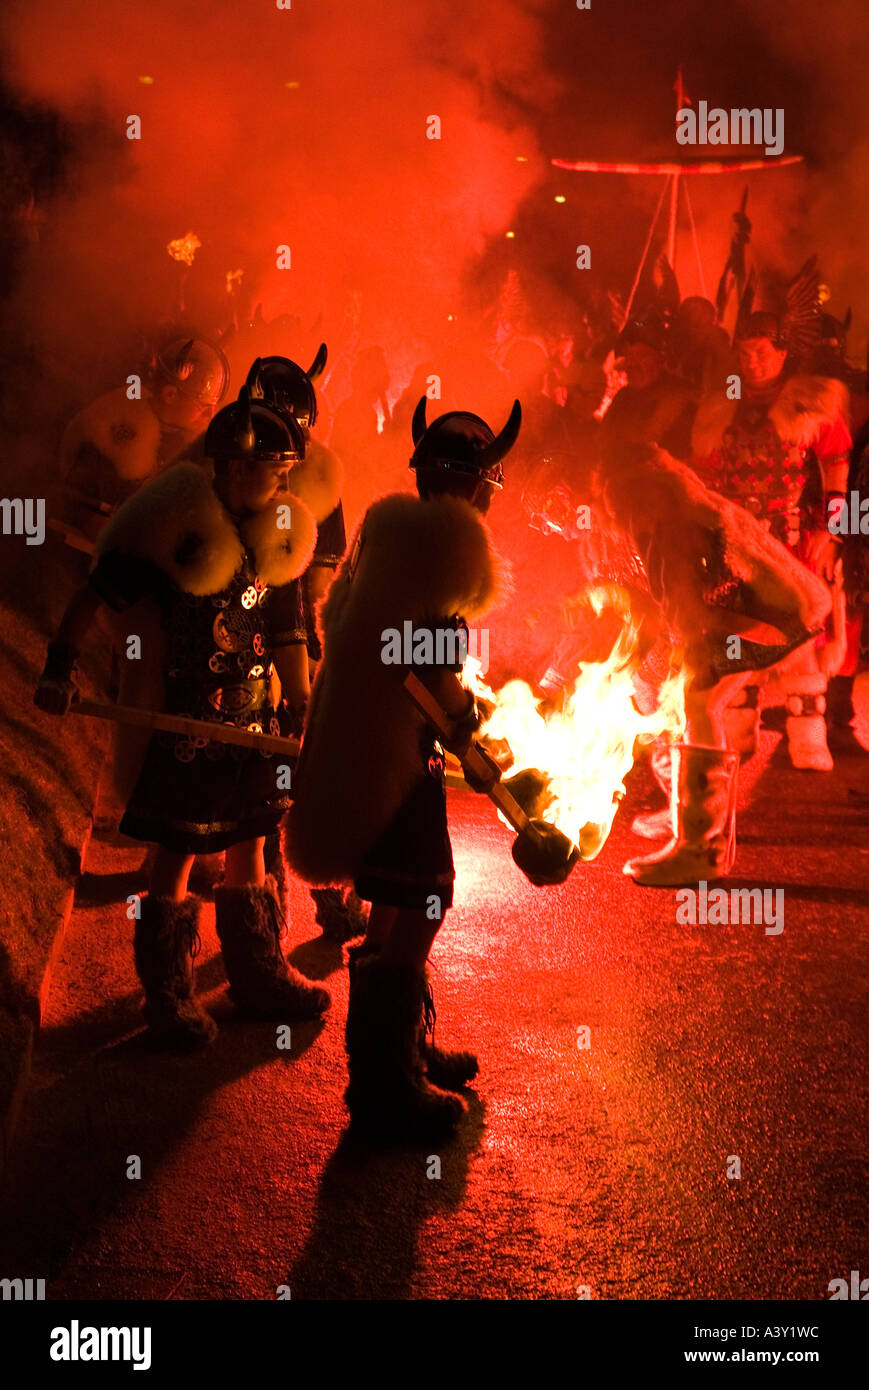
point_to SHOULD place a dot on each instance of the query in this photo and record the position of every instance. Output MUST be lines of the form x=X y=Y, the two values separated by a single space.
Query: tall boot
x=805 y=725
x=341 y=915
x=165 y=942
x=704 y=813
x=451 y=1071
x=388 y=1096
x=655 y=825
x=261 y=983
x=742 y=722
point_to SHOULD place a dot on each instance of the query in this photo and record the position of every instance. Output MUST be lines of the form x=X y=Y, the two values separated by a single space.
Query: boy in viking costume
x=219 y=553
x=371 y=804
x=288 y=389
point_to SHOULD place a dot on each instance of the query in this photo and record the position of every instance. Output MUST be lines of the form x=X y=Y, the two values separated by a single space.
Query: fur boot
x=742 y=723
x=341 y=915
x=165 y=942
x=451 y=1071
x=805 y=726
x=704 y=811
x=261 y=983
x=388 y=1095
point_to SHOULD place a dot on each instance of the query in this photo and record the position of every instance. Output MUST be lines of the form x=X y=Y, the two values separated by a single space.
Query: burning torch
x=543 y=852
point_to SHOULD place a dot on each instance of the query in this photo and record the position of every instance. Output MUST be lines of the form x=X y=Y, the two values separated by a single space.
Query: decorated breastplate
x=762 y=472
x=219 y=661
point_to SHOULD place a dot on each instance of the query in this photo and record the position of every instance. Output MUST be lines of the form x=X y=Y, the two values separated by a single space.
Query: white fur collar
x=178 y=522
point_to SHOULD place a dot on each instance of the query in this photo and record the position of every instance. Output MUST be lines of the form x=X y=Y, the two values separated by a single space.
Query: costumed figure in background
x=656 y=407
x=288 y=389
x=699 y=573
x=781 y=451
x=370 y=796
x=116 y=443
x=219 y=552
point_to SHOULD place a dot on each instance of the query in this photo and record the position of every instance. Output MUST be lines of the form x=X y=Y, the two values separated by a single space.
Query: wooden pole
x=181 y=724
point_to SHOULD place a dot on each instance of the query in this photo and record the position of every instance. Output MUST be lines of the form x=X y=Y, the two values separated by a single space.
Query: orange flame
x=586 y=748
x=184 y=248
x=233 y=280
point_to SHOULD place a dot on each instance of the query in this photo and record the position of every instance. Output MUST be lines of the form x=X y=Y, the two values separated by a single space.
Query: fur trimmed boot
x=704 y=813
x=388 y=1096
x=451 y=1071
x=805 y=725
x=742 y=722
x=165 y=943
x=654 y=825
x=261 y=984
x=341 y=915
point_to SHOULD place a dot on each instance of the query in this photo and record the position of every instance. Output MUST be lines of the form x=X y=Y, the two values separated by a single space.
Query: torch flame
x=585 y=749
x=184 y=248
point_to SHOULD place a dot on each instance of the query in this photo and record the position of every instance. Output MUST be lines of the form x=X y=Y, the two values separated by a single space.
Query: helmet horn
x=253 y=383
x=244 y=431
x=418 y=426
x=502 y=443
x=318 y=363
x=183 y=357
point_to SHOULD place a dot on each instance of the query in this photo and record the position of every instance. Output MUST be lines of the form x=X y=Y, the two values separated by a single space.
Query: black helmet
x=287 y=387
x=463 y=443
x=249 y=429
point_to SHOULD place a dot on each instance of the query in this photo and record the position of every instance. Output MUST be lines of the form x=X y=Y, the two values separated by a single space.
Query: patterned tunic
x=779 y=481
x=193 y=795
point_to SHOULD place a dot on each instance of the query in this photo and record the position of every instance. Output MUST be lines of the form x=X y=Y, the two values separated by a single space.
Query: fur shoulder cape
x=318 y=481
x=804 y=404
x=178 y=522
x=125 y=432
x=410 y=560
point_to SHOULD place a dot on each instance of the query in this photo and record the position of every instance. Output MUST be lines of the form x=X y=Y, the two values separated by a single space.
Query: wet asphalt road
x=604 y=1167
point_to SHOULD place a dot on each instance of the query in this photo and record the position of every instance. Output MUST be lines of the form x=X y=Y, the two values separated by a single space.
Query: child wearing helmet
x=217 y=553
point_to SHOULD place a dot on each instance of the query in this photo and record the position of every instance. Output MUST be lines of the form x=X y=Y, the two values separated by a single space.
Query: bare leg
x=170 y=874
x=245 y=864
x=704 y=709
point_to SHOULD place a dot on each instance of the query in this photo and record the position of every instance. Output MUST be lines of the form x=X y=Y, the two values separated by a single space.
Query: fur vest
x=178 y=522
x=412 y=560
x=803 y=405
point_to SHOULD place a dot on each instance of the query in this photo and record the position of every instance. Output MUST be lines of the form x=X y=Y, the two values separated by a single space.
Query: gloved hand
x=464 y=727
x=57 y=689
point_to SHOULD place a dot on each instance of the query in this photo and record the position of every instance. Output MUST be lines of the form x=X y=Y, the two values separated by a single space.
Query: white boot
x=703 y=804
x=805 y=725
